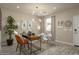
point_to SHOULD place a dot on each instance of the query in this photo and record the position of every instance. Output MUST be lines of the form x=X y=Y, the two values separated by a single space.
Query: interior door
x=76 y=30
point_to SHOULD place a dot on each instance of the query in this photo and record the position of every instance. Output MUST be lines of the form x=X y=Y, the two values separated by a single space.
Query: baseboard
x=64 y=42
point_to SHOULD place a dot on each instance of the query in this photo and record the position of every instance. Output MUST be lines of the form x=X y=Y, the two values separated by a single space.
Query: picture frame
x=24 y=25
x=29 y=25
x=68 y=25
x=60 y=23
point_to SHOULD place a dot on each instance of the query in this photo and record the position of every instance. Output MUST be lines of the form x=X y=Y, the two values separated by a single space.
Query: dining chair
x=21 y=42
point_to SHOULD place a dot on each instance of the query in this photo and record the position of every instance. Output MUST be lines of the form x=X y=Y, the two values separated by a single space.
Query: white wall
x=19 y=17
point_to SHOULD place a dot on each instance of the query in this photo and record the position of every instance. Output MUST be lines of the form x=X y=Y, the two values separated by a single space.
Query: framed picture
x=68 y=25
x=29 y=25
x=24 y=25
x=60 y=23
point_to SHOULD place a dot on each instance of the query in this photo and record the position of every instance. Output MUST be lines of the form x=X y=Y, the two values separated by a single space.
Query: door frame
x=0 y=26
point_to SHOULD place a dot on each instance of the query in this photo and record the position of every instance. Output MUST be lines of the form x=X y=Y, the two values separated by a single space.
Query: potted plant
x=9 y=29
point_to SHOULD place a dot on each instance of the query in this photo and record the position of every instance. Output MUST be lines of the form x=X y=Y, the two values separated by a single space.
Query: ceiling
x=41 y=8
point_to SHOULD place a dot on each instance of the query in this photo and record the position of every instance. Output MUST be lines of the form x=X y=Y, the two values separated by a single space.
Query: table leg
x=40 y=44
x=31 y=47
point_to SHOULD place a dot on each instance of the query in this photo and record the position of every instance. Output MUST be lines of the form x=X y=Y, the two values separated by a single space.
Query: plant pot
x=9 y=42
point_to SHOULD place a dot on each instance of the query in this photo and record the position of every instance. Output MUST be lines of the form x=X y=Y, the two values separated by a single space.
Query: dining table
x=32 y=38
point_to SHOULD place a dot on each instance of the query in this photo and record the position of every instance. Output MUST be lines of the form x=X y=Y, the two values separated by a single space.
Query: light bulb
x=38 y=27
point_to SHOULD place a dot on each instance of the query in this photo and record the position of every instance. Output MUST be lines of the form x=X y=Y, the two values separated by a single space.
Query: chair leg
x=17 y=47
x=20 y=49
x=24 y=46
x=28 y=46
x=47 y=41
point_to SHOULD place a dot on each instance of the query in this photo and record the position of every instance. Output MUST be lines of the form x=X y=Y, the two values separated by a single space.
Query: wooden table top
x=34 y=37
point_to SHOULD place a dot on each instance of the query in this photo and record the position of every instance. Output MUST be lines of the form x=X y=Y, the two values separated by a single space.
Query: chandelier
x=36 y=11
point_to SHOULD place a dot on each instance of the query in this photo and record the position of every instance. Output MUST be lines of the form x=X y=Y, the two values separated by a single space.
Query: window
x=48 y=24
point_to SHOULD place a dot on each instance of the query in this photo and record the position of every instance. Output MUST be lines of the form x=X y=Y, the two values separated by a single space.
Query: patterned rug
x=51 y=48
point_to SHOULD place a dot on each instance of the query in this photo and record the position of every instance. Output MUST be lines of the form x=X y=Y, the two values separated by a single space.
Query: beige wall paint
x=63 y=34
x=19 y=17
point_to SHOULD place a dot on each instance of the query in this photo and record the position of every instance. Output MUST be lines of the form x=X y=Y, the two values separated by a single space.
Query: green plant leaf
x=10 y=26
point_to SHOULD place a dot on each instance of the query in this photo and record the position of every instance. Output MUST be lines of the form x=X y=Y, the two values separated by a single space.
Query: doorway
x=49 y=26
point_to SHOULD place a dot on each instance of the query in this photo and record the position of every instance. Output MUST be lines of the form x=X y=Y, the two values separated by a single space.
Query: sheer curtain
x=53 y=27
